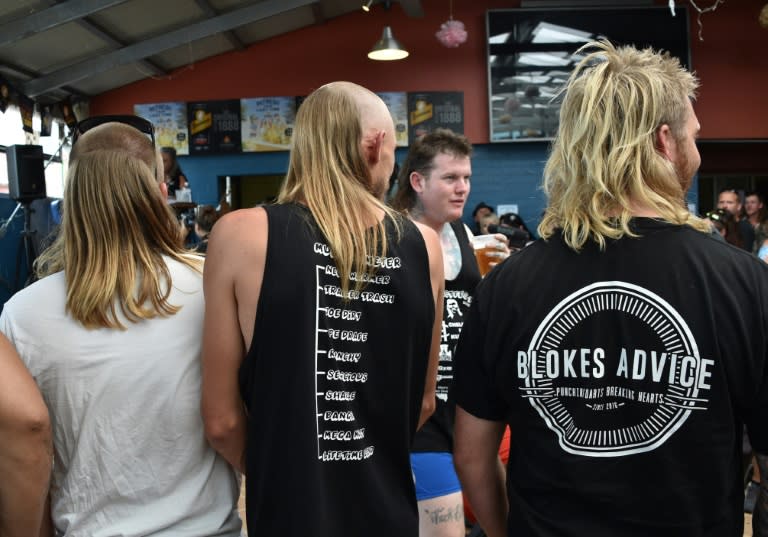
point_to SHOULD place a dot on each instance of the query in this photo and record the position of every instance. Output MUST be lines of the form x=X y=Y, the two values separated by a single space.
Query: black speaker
x=26 y=172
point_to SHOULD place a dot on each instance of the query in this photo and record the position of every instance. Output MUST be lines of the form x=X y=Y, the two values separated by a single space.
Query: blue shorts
x=434 y=475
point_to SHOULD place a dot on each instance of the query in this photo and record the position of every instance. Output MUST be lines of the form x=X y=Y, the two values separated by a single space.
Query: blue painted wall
x=501 y=174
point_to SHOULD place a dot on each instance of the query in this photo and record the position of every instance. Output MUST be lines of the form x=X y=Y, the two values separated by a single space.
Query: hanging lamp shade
x=387 y=48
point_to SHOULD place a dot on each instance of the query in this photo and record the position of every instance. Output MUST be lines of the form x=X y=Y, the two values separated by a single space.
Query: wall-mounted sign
x=214 y=127
x=170 y=121
x=429 y=110
x=397 y=102
x=267 y=123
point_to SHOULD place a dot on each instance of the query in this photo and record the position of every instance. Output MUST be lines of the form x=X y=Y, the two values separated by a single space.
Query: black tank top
x=437 y=434
x=333 y=389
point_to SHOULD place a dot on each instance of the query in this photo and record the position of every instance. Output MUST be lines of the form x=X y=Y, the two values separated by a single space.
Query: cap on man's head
x=511 y=219
x=481 y=205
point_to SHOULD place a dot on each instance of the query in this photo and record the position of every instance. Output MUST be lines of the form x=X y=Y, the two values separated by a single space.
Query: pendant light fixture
x=387 y=48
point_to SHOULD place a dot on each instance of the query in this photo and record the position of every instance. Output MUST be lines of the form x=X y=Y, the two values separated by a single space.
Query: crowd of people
x=347 y=356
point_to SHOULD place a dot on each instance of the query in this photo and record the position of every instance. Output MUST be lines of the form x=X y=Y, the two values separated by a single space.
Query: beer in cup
x=487 y=252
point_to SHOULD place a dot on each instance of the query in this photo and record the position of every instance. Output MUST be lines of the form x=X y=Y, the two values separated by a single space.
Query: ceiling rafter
x=17 y=29
x=88 y=25
x=230 y=36
x=12 y=70
x=412 y=8
x=155 y=45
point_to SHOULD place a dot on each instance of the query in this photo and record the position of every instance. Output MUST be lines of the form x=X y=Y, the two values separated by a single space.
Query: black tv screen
x=531 y=53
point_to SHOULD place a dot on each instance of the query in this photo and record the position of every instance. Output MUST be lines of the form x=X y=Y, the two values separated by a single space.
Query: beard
x=685 y=169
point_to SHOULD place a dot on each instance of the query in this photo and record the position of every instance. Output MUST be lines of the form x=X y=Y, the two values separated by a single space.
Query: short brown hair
x=421 y=158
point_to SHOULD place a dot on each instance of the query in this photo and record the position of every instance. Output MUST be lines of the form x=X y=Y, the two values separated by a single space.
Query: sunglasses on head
x=138 y=123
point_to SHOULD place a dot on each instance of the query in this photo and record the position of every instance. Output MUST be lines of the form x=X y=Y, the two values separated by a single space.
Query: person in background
x=206 y=216
x=626 y=379
x=729 y=199
x=755 y=212
x=112 y=335
x=486 y=222
x=322 y=332
x=432 y=189
x=726 y=226
x=26 y=454
x=174 y=178
x=480 y=211
x=754 y=208
x=513 y=220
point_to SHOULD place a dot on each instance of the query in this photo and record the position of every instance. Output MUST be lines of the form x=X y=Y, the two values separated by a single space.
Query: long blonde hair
x=115 y=229
x=604 y=158
x=328 y=173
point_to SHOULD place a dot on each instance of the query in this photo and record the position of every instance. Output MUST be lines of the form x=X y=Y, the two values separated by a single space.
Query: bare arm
x=25 y=448
x=475 y=456
x=760 y=514
x=234 y=269
x=437 y=277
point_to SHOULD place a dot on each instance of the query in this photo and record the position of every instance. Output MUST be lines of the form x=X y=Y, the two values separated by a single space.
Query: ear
x=372 y=147
x=164 y=190
x=417 y=181
x=665 y=142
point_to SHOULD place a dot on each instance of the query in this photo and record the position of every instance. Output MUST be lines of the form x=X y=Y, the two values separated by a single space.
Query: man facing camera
x=625 y=380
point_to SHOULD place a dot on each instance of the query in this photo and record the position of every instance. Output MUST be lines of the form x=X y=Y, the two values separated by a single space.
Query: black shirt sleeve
x=473 y=387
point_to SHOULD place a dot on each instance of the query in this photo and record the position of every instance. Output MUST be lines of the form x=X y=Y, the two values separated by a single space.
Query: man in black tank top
x=321 y=333
x=432 y=189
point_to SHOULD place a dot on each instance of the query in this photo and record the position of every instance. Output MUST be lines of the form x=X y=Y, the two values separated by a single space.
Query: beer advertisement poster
x=267 y=123
x=397 y=102
x=214 y=127
x=170 y=121
x=429 y=110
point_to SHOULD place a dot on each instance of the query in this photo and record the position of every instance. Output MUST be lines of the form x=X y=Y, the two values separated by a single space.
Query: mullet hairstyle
x=605 y=156
x=115 y=230
x=421 y=159
x=328 y=172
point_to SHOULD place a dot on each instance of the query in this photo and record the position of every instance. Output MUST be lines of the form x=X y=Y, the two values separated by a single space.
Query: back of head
x=206 y=217
x=115 y=230
x=421 y=156
x=604 y=160
x=329 y=172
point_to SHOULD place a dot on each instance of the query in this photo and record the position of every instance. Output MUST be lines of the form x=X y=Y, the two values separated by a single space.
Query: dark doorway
x=249 y=190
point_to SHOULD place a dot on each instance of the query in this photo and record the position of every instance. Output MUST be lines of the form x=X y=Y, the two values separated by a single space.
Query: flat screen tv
x=531 y=52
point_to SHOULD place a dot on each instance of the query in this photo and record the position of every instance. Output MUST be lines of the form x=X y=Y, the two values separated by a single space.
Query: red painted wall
x=731 y=62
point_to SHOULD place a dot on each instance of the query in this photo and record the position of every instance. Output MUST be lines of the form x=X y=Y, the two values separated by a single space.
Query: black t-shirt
x=436 y=435
x=333 y=389
x=625 y=376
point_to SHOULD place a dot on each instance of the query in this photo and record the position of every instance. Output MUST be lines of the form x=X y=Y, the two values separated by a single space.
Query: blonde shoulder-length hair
x=328 y=172
x=604 y=159
x=115 y=230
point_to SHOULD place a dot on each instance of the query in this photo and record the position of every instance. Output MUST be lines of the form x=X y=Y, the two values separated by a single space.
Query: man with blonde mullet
x=321 y=333
x=111 y=334
x=625 y=378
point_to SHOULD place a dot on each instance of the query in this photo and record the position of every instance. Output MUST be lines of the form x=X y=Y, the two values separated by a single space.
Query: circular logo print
x=613 y=370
